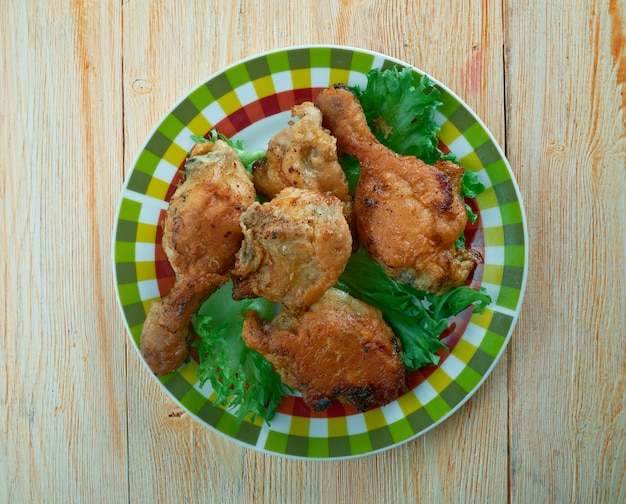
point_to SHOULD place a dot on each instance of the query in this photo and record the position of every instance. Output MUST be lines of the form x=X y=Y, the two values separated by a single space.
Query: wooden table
x=82 y=85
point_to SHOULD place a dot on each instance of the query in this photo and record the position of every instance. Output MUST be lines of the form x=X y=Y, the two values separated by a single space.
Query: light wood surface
x=82 y=85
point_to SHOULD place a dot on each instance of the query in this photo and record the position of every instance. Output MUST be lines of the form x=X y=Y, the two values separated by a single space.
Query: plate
x=251 y=100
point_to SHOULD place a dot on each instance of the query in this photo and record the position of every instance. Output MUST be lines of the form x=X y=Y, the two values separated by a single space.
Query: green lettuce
x=242 y=379
x=401 y=112
x=417 y=318
x=247 y=157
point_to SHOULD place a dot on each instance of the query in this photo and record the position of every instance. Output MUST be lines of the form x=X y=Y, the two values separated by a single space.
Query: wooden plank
x=62 y=414
x=566 y=139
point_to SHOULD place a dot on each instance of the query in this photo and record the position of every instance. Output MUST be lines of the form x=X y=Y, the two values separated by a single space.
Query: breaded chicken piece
x=340 y=349
x=303 y=155
x=201 y=235
x=409 y=214
x=295 y=247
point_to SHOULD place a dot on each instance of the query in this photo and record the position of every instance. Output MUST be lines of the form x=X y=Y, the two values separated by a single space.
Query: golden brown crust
x=340 y=349
x=201 y=236
x=304 y=155
x=201 y=233
x=295 y=247
x=409 y=214
x=165 y=336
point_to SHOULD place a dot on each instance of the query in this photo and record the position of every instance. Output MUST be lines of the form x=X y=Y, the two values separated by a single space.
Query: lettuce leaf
x=247 y=157
x=401 y=112
x=352 y=170
x=470 y=188
x=416 y=317
x=242 y=379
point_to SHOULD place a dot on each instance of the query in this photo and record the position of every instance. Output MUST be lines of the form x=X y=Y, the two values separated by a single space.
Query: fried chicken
x=295 y=247
x=340 y=349
x=201 y=235
x=303 y=155
x=408 y=213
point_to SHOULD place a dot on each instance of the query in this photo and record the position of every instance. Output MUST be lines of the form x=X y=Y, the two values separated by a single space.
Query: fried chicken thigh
x=295 y=247
x=409 y=214
x=340 y=349
x=201 y=235
x=304 y=155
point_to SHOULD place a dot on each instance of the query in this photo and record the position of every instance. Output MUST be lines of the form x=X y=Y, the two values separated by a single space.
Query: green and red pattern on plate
x=251 y=100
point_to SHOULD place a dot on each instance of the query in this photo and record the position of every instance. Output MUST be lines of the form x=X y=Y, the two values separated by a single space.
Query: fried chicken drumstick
x=303 y=155
x=409 y=214
x=295 y=247
x=201 y=235
x=340 y=349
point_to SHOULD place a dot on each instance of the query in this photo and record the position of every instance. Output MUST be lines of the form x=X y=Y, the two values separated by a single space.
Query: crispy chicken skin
x=409 y=214
x=340 y=349
x=295 y=247
x=303 y=155
x=201 y=235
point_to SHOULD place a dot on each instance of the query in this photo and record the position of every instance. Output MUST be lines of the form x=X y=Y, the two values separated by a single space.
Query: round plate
x=251 y=100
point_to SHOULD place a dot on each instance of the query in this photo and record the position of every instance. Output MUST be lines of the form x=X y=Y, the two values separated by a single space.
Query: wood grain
x=83 y=84
x=565 y=97
x=63 y=415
